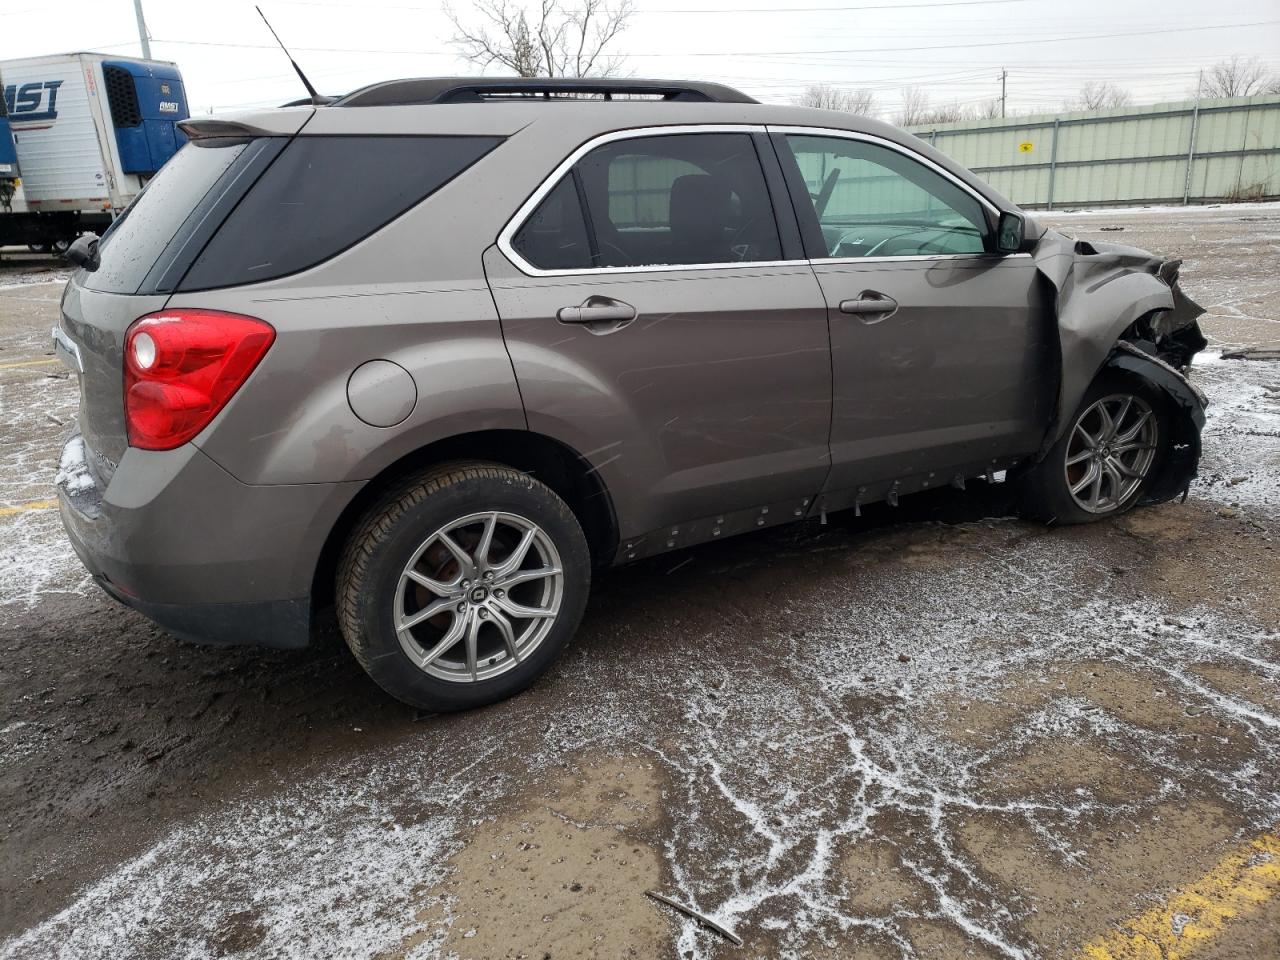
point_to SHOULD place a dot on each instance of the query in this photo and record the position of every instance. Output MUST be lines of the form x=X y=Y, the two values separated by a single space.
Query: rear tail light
x=181 y=367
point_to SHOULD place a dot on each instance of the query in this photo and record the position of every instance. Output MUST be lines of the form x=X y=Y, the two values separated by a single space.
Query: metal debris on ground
x=1251 y=353
x=695 y=915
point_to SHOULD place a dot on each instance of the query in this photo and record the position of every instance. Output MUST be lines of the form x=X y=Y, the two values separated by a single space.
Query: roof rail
x=480 y=89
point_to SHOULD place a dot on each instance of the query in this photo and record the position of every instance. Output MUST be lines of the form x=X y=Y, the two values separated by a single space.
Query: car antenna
x=315 y=97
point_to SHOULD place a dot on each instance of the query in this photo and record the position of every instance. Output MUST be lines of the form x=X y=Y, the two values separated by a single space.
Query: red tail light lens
x=181 y=367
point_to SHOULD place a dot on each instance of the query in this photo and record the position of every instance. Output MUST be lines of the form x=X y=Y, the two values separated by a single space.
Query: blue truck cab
x=147 y=100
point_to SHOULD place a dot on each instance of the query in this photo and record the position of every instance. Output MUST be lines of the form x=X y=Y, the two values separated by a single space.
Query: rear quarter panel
x=292 y=422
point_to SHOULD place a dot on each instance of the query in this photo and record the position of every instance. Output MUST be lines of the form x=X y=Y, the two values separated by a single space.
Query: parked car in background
x=564 y=325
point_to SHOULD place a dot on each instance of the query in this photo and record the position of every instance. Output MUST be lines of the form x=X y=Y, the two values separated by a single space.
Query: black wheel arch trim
x=1186 y=408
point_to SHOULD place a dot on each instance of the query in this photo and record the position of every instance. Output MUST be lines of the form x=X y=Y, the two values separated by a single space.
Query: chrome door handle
x=871 y=306
x=598 y=310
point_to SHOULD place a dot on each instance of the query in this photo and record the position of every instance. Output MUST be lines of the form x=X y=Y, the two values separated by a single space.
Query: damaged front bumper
x=1120 y=307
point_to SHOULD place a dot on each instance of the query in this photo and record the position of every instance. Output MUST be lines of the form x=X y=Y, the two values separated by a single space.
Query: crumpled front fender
x=1102 y=290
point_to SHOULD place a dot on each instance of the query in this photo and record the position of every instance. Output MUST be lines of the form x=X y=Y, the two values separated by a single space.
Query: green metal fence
x=1191 y=152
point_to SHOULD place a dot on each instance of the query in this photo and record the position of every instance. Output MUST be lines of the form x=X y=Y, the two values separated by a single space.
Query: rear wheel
x=461 y=586
x=1111 y=449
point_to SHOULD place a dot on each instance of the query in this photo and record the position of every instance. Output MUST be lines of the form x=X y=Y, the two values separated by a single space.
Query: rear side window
x=323 y=195
x=132 y=245
x=670 y=199
x=555 y=236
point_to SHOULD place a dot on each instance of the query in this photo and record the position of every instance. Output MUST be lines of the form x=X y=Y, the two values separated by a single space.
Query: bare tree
x=915 y=107
x=558 y=40
x=948 y=113
x=991 y=109
x=824 y=96
x=916 y=110
x=1236 y=77
x=1100 y=95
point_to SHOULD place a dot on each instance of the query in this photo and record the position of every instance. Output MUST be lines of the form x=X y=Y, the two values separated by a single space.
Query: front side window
x=676 y=199
x=871 y=201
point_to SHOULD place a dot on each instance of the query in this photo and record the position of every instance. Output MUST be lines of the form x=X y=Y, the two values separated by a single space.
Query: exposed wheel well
x=555 y=464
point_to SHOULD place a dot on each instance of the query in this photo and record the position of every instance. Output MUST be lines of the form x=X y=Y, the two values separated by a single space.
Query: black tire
x=388 y=537
x=60 y=247
x=1044 y=491
x=38 y=247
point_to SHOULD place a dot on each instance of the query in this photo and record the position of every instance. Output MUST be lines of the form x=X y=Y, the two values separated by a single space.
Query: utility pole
x=143 y=37
x=1004 y=75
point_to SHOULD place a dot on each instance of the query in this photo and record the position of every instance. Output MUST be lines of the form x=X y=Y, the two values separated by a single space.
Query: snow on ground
x=1241 y=461
x=13 y=279
x=1191 y=209
x=762 y=747
x=35 y=558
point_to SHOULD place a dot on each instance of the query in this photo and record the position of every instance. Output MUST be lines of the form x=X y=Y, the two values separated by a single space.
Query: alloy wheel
x=478 y=596
x=1110 y=451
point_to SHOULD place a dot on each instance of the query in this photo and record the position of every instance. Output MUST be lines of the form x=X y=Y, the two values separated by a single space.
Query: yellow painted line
x=27 y=363
x=1238 y=885
x=25 y=507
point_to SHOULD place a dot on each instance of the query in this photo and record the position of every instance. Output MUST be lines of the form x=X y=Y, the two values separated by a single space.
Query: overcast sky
x=953 y=48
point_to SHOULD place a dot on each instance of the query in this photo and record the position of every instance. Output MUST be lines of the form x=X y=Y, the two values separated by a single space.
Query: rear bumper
x=210 y=559
x=282 y=624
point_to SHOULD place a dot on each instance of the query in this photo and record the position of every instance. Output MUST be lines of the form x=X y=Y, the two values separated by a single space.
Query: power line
x=758 y=53
x=681 y=10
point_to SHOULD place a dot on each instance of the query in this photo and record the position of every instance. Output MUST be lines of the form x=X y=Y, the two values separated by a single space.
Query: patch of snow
x=14 y=280
x=327 y=854
x=1192 y=209
x=73 y=470
x=1240 y=466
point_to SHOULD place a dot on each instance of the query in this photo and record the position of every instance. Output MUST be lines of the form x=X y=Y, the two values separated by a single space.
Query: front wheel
x=1112 y=448
x=461 y=586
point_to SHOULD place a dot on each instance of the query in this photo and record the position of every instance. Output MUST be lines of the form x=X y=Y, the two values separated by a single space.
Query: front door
x=941 y=350
x=658 y=329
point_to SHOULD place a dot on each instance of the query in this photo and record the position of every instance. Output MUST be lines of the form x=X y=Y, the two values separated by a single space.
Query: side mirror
x=84 y=252
x=1010 y=233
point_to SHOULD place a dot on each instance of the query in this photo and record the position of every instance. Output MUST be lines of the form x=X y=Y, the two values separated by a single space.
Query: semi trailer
x=80 y=136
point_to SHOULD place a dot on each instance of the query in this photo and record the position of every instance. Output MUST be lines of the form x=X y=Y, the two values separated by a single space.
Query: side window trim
x=807 y=218
x=785 y=216
x=815 y=247
x=593 y=242
x=777 y=134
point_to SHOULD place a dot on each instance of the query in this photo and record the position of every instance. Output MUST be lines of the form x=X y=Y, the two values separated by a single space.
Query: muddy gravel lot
x=936 y=731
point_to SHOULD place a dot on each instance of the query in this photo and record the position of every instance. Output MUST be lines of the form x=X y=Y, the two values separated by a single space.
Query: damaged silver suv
x=431 y=352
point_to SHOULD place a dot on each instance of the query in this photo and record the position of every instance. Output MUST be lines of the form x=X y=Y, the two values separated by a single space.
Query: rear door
x=662 y=325
x=940 y=348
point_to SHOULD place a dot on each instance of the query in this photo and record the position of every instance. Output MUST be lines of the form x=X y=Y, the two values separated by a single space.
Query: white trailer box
x=89 y=130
